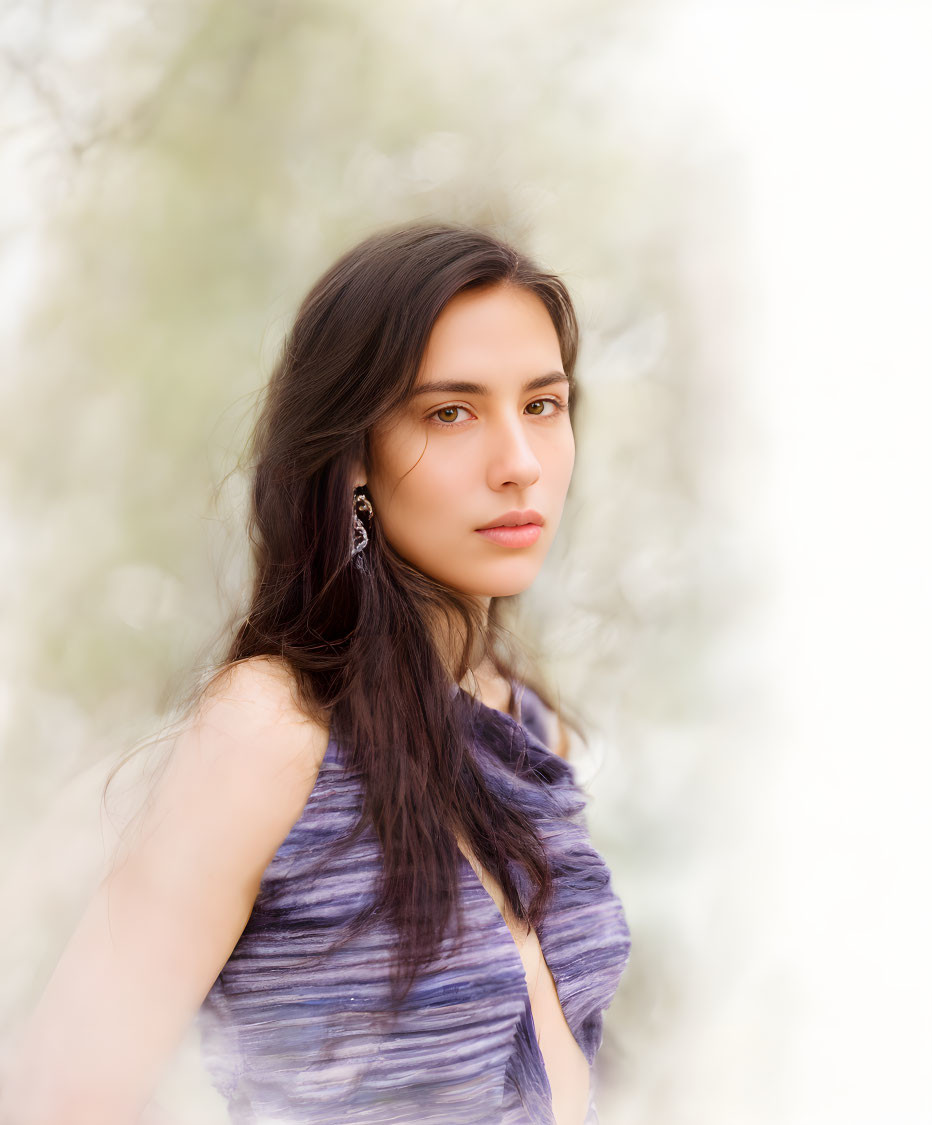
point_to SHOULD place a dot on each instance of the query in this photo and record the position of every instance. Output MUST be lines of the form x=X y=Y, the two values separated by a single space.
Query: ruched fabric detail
x=293 y=1030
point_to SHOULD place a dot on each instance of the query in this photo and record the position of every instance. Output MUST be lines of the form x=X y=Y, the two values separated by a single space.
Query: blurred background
x=739 y=599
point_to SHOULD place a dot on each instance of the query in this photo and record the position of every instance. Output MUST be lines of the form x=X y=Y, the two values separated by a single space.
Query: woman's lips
x=522 y=536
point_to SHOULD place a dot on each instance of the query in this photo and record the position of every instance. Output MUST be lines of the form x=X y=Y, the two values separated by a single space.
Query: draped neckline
x=519 y=691
x=521 y=699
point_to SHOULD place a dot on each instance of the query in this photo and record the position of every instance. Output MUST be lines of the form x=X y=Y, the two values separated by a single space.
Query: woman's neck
x=489 y=687
x=482 y=679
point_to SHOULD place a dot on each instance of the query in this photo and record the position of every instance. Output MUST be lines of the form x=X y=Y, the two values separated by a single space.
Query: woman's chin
x=501 y=579
x=502 y=587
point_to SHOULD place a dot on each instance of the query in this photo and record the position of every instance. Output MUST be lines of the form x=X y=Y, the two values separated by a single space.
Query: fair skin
x=162 y=924
x=454 y=459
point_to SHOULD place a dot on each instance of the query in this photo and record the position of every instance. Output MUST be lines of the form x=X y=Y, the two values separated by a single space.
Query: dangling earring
x=360 y=535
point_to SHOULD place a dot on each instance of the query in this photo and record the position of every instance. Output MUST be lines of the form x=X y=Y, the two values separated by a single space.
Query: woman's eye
x=542 y=402
x=447 y=410
x=537 y=407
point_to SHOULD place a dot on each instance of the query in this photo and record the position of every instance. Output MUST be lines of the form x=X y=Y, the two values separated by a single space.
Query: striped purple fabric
x=294 y=1031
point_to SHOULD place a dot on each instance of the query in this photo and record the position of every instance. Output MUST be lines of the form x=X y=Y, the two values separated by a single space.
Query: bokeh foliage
x=194 y=167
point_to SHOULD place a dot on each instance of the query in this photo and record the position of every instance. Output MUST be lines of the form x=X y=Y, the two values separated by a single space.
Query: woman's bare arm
x=162 y=924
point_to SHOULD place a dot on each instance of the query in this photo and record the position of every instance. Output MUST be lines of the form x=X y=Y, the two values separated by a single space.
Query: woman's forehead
x=487 y=327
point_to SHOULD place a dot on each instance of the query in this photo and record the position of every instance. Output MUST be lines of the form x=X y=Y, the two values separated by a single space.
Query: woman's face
x=495 y=439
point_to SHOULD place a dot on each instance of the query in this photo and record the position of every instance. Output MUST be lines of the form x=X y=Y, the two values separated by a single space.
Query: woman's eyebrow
x=459 y=387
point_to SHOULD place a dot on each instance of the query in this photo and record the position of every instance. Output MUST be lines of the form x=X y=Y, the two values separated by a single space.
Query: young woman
x=366 y=870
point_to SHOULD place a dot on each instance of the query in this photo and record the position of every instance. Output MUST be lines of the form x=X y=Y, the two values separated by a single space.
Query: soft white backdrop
x=738 y=197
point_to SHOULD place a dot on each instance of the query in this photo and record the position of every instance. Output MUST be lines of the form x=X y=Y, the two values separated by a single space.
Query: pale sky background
x=777 y=879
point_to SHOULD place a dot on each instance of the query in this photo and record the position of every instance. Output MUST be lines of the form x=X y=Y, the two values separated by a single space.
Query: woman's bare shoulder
x=163 y=922
x=247 y=756
x=557 y=739
x=263 y=682
x=259 y=696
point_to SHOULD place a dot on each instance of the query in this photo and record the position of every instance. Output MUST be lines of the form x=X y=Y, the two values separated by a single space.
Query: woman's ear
x=358 y=474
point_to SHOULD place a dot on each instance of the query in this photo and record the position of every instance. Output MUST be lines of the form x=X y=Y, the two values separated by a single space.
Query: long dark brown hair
x=361 y=643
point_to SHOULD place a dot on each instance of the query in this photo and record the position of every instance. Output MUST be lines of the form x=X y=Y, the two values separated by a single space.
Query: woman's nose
x=511 y=457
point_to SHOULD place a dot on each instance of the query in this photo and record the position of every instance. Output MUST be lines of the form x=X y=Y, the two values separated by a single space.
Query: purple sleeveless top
x=291 y=1032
